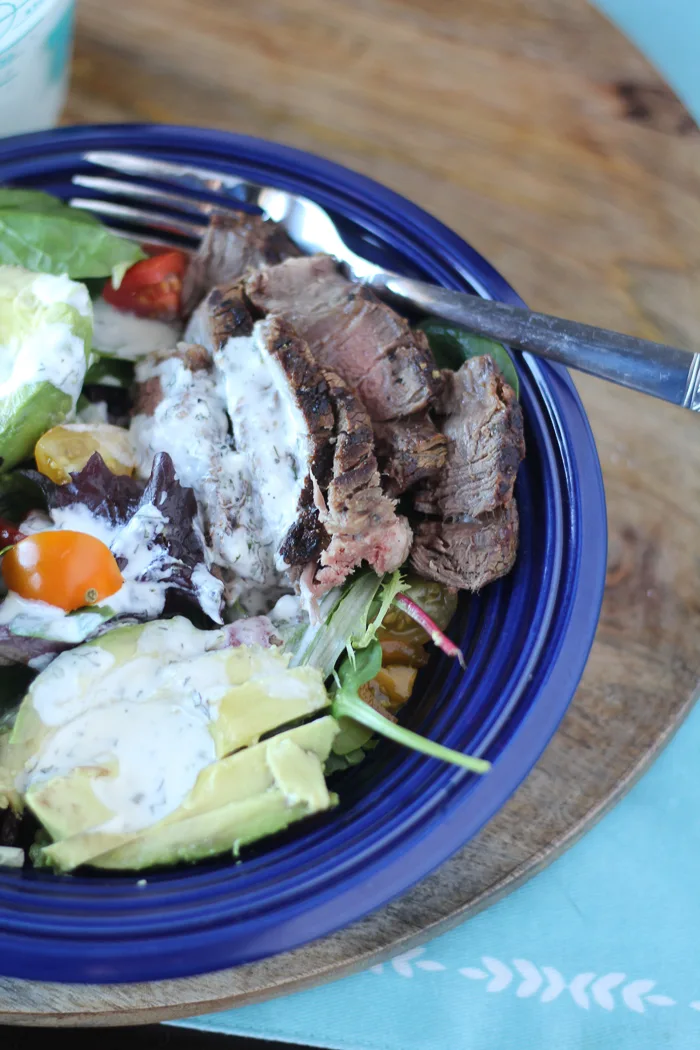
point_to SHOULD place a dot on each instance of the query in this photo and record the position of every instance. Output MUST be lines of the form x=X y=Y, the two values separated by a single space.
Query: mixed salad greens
x=144 y=718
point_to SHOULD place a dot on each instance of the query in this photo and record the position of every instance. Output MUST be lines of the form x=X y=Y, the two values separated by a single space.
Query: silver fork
x=662 y=371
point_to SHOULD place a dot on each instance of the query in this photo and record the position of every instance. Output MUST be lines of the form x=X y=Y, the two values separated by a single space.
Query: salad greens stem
x=347 y=703
x=355 y=708
x=323 y=645
x=391 y=586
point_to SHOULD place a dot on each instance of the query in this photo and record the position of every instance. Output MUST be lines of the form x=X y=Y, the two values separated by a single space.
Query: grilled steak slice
x=409 y=450
x=222 y=315
x=483 y=423
x=283 y=423
x=351 y=332
x=359 y=518
x=231 y=245
x=309 y=447
x=467 y=554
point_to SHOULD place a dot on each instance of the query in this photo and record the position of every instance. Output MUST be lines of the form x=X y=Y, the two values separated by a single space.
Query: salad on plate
x=239 y=497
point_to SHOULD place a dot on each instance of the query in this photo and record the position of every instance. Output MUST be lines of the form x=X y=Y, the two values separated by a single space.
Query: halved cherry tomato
x=63 y=568
x=8 y=534
x=152 y=287
x=66 y=449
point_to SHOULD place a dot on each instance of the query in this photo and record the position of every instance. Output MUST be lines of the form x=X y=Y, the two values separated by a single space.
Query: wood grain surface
x=539 y=134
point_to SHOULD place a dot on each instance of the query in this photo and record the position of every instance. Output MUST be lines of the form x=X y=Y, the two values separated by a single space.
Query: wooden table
x=533 y=129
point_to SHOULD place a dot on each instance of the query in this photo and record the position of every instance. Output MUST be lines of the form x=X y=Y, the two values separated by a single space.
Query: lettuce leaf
x=53 y=238
x=452 y=345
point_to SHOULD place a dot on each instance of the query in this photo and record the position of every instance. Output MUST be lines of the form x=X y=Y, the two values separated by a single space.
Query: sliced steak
x=410 y=451
x=351 y=332
x=359 y=518
x=309 y=447
x=283 y=422
x=222 y=315
x=483 y=423
x=467 y=554
x=231 y=245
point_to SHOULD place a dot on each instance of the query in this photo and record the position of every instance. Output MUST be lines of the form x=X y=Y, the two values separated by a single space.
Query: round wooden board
x=534 y=129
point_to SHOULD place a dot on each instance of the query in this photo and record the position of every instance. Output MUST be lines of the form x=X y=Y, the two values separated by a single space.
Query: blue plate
x=527 y=639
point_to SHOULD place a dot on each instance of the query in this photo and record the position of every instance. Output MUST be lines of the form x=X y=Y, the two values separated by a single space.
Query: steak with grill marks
x=359 y=518
x=410 y=451
x=342 y=517
x=483 y=423
x=472 y=537
x=349 y=330
x=231 y=245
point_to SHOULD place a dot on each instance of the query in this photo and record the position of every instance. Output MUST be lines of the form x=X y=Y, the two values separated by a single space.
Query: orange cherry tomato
x=151 y=287
x=63 y=568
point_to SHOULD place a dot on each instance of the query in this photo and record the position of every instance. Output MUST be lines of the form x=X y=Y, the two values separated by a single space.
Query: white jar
x=36 y=38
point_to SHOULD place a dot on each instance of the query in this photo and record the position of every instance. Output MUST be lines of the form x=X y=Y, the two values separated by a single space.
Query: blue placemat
x=601 y=949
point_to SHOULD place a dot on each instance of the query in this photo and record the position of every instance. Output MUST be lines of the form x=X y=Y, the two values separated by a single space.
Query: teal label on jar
x=59 y=43
x=35 y=47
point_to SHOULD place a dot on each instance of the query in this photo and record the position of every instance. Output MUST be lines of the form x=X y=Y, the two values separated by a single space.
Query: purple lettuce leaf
x=20 y=649
x=114 y=497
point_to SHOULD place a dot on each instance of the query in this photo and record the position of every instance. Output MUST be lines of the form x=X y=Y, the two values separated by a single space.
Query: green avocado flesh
x=190 y=704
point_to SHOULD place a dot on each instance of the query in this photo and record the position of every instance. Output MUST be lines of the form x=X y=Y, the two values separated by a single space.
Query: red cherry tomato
x=151 y=287
x=63 y=568
x=8 y=534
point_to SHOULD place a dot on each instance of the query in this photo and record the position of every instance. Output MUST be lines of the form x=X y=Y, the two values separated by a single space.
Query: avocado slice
x=45 y=335
x=9 y=796
x=158 y=724
x=237 y=800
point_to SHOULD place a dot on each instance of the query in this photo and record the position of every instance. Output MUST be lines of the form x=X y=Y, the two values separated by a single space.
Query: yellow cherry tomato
x=65 y=449
x=64 y=568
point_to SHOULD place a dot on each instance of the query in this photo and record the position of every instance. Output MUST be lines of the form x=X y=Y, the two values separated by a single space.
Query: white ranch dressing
x=29 y=617
x=126 y=336
x=51 y=290
x=79 y=518
x=134 y=542
x=144 y=721
x=191 y=424
x=52 y=352
x=158 y=750
x=269 y=429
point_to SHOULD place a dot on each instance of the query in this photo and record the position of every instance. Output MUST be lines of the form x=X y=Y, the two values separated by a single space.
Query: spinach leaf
x=33 y=200
x=452 y=345
x=62 y=241
x=109 y=371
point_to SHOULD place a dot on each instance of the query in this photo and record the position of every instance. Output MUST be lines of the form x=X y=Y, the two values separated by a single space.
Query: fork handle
x=663 y=371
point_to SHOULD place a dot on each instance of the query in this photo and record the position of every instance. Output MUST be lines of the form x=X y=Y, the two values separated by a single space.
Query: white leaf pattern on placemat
x=545 y=982
x=531 y=978
x=502 y=976
x=602 y=988
x=557 y=984
x=578 y=987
